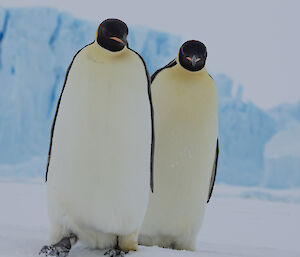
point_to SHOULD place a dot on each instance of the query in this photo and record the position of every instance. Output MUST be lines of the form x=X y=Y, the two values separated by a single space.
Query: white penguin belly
x=99 y=168
x=186 y=129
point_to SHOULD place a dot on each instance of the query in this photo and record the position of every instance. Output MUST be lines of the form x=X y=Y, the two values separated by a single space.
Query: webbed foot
x=56 y=251
x=60 y=249
x=112 y=252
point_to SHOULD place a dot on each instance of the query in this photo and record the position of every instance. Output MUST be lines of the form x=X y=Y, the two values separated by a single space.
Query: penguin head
x=112 y=35
x=192 y=55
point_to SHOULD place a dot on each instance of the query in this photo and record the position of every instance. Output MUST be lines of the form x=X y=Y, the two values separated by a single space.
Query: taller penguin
x=98 y=171
x=186 y=149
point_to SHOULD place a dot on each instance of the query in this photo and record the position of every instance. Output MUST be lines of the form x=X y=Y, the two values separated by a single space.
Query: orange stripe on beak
x=190 y=59
x=118 y=40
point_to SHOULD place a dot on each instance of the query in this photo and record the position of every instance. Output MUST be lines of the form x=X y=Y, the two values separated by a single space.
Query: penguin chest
x=186 y=130
x=101 y=145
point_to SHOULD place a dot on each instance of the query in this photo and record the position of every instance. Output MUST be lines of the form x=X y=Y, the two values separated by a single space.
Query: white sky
x=254 y=42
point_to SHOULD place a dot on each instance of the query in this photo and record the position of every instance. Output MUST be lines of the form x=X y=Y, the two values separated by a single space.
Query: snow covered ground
x=233 y=227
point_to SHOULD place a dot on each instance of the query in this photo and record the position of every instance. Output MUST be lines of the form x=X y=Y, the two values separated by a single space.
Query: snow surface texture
x=232 y=227
x=36 y=47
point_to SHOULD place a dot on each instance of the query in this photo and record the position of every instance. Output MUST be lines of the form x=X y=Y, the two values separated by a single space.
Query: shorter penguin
x=185 y=108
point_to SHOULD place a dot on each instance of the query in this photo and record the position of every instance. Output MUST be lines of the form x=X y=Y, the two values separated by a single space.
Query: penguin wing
x=214 y=172
x=57 y=107
x=169 y=65
x=152 y=124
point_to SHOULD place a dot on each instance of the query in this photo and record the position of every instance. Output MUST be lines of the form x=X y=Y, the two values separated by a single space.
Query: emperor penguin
x=186 y=151
x=98 y=171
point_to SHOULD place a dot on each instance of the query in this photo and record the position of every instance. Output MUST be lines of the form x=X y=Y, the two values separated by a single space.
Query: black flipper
x=214 y=172
x=150 y=80
x=152 y=121
x=57 y=107
x=169 y=65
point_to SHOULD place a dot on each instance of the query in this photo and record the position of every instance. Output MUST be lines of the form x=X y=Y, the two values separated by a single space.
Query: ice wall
x=36 y=47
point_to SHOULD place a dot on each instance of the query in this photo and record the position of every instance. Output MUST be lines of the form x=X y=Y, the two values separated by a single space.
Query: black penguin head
x=112 y=35
x=192 y=55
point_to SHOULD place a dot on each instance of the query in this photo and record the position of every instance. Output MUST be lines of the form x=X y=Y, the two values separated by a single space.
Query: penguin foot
x=112 y=252
x=60 y=249
x=56 y=251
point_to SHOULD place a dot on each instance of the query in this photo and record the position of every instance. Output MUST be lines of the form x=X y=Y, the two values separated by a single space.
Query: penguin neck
x=99 y=53
x=201 y=72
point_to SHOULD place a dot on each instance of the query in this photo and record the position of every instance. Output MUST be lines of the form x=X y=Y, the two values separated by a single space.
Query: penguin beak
x=118 y=40
x=193 y=60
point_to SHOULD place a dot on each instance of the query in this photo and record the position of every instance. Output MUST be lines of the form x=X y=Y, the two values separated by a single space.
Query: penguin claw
x=115 y=252
x=122 y=253
x=44 y=250
x=55 y=251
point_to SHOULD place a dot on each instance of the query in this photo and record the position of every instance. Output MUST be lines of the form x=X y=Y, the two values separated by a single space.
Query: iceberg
x=36 y=47
x=282 y=159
